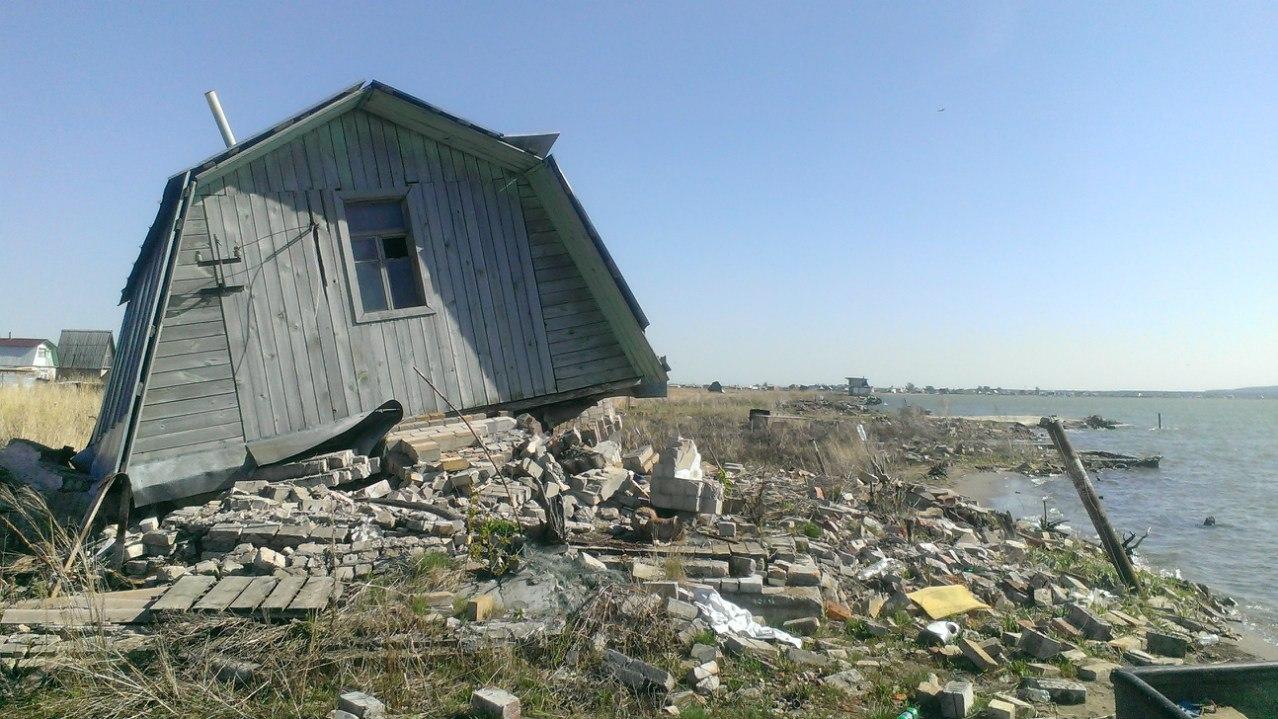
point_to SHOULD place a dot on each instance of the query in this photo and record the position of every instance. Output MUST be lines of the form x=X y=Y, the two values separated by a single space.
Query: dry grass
x=719 y=423
x=384 y=643
x=55 y=415
x=34 y=547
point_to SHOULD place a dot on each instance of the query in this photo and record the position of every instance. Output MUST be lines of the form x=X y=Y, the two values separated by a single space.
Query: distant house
x=859 y=387
x=85 y=355
x=25 y=361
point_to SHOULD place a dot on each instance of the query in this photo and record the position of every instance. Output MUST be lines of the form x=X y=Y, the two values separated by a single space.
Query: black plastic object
x=1154 y=692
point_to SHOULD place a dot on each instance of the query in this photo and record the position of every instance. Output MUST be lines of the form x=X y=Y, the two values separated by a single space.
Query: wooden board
x=222 y=594
x=184 y=593
x=314 y=595
x=253 y=595
x=282 y=595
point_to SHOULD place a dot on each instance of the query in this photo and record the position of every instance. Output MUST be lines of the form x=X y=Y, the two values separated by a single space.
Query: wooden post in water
x=1074 y=466
x=1160 y=420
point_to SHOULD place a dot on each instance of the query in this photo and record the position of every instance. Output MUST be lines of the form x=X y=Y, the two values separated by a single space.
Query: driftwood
x=1087 y=493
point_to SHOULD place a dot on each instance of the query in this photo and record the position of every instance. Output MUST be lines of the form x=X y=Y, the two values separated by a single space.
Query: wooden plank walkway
x=290 y=596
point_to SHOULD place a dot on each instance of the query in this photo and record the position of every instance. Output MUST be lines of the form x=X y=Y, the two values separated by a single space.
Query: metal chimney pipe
x=220 y=117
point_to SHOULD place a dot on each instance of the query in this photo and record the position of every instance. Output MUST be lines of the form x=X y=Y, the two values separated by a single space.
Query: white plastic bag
x=727 y=618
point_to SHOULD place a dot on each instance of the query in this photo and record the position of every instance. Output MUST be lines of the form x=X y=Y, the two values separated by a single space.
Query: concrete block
x=1061 y=691
x=999 y=709
x=1166 y=644
x=364 y=706
x=495 y=703
x=957 y=698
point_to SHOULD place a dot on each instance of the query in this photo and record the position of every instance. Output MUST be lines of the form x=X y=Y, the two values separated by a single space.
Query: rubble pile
x=842 y=578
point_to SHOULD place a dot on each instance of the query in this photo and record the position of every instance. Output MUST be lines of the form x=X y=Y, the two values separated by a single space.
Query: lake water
x=1220 y=458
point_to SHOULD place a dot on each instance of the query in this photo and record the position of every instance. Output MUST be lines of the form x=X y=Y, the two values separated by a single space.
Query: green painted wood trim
x=282 y=137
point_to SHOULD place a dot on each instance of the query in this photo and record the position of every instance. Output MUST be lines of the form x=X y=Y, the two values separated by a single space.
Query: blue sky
x=1094 y=208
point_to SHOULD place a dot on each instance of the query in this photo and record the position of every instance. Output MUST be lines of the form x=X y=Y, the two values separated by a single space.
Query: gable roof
x=84 y=349
x=523 y=153
x=23 y=342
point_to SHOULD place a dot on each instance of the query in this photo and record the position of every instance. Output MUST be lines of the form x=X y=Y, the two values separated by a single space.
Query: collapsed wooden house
x=293 y=286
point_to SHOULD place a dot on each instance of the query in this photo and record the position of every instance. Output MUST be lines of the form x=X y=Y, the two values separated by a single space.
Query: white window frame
x=399 y=194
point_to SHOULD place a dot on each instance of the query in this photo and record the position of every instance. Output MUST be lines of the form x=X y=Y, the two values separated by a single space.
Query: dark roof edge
x=629 y=296
x=276 y=129
x=163 y=221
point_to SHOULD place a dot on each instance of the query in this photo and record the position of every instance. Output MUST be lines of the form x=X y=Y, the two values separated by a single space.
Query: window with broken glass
x=384 y=257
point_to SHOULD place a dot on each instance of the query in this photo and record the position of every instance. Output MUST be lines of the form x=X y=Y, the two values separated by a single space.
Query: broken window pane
x=403 y=285
x=371 y=292
x=384 y=256
x=395 y=247
x=380 y=216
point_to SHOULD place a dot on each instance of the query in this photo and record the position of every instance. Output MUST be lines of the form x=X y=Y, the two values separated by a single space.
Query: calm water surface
x=1220 y=458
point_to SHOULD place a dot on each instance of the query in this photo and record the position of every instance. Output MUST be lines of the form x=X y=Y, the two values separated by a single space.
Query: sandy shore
x=985 y=487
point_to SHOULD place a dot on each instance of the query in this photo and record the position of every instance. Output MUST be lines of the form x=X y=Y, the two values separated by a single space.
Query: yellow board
x=940 y=602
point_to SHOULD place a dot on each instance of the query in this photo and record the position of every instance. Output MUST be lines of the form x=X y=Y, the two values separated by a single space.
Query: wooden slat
x=188 y=376
x=502 y=277
x=222 y=594
x=188 y=438
x=265 y=303
x=559 y=337
x=155 y=410
x=568 y=309
x=253 y=595
x=606 y=350
x=315 y=595
x=601 y=338
x=178 y=317
x=191 y=361
x=174 y=347
x=528 y=279
x=204 y=388
x=470 y=387
x=598 y=378
x=446 y=361
x=190 y=271
x=324 y=213
x=574 y=282
x=576 y=320
x=593 y=366
x=311 y=383
x=331 y=340
x=469 y=245
x=192 y=331
x=276 y=275
x=283 y=593
x=203 y=420
x=184 y=593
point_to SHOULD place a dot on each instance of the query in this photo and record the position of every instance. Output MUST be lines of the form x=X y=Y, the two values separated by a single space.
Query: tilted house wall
x=245 y=321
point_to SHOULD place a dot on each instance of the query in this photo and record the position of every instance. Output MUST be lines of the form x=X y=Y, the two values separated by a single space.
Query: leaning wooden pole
x=1086 y=492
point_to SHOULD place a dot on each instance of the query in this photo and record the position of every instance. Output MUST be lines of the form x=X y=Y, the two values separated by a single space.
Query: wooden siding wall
x=583 y=348
x=190 y=402
x=512 y=319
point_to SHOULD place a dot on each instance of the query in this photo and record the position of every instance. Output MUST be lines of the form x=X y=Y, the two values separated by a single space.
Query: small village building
x=85 y=355
x=294 y=289
x=859 y=387
x=25 y=361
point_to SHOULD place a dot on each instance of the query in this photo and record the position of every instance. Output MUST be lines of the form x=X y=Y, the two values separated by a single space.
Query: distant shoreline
x=1241 y=393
